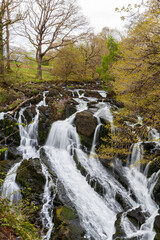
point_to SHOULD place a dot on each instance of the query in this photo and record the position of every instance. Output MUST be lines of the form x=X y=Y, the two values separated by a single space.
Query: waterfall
x=10 y=189
x=137 y=155
x=29 y=149
x=47 y=208
x=94 y=193
x=60 y=146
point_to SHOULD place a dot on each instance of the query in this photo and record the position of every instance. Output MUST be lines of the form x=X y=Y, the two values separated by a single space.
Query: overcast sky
x=101 y=13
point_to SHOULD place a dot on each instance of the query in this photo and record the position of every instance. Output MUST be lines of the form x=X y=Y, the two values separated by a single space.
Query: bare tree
x=2 y=11
x=12 y=16
x=52 y=24
x=6 y=19
x=92 y=49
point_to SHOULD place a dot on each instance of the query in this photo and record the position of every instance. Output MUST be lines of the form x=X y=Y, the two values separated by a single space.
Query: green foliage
x=67 y=63
x=16 y=218
x=136 y=72
x=3 y=150
x=117 y=143
x=136 y=84
x=107 y=60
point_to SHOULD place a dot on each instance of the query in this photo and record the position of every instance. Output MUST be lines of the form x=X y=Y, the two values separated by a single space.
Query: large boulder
x=86 y=124
x=157 y=223
x=67 y=225
x=137 y=216
x=31 y=180
x=43 y=124
x=154 y=165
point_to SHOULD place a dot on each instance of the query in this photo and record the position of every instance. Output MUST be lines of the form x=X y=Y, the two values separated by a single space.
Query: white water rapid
x=29 y=148
x=95 y=193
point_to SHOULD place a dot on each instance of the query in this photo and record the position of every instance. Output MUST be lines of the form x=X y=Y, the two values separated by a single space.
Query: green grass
x=28 y=72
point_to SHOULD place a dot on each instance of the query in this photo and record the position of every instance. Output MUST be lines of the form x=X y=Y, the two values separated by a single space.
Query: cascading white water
x=60 y=146
x=137 y=155
x=142 y=188
x=60 y=151
x=2 y=114
x=47 y=208
x=97 y=212
x=10 y=189
x=30 y=149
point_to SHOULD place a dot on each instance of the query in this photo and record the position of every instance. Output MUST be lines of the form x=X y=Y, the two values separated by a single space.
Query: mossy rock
x=156 y=192
x=29 y=113
x=154 y=166
x=31 y=180
x=63 y=214
x=157 y=224
x=85 y=123
x=157 y=237
x=43 y=124
x=119 y=234
x=67 y=225
x=137 y=216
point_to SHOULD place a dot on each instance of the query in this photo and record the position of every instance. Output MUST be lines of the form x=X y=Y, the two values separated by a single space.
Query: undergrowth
x=15 y=218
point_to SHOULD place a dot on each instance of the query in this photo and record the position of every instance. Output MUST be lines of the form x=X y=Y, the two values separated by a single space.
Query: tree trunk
x=7 y=41
x=39 y=61
x=1 y=38
x=39 y=68
x=1 y=48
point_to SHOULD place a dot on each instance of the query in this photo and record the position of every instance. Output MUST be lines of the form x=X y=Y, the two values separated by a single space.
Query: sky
x=101 y=13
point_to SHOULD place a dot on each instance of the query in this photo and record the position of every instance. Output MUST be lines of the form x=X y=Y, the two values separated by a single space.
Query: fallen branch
x=8 y=136
x=22 y=103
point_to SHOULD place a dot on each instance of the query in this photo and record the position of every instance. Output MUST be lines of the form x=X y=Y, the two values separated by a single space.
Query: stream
x=93 y=194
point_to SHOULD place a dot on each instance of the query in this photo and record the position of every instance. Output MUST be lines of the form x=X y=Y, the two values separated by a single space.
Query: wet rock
x=157 y=237
x=104 y=133
x=13 y=153
x=43 y=124
x=29 y=113
x=137 y=216
x=93 y=94
x=154 y=165
x=124 y=203
x=157 y=224
x=70 y=109
x=149 y=146
x=85 y=123
x=58 y=109
x=156 y=192
x=31 y=180
x=120 y=233
x=67 y=225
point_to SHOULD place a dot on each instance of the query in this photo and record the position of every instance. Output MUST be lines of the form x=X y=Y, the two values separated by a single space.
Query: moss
x=64 y=214
x=157 y=237
x=154 y=166
x=30 y=177
x=119 y=230
x=67 y=224
x=14 y=104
